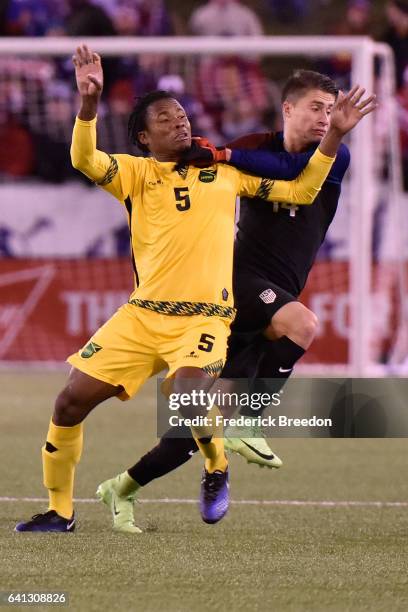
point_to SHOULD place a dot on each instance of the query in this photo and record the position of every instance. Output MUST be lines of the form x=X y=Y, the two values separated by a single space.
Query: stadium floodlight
x=372 y=66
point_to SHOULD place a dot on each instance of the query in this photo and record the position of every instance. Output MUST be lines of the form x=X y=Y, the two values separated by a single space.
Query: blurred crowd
x=224 y=96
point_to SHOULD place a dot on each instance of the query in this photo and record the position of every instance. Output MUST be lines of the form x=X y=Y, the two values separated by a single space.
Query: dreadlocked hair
x=137 y=119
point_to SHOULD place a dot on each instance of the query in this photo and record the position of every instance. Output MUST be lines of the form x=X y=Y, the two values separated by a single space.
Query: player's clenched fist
x=88 y=73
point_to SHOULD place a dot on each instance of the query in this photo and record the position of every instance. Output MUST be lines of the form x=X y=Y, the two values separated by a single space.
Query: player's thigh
x=192 y=383
x=88 y=389
x=80 y=395
x=122 y=352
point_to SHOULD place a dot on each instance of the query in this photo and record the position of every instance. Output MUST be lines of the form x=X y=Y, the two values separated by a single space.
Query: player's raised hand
x=350 y=109
x=88 y=73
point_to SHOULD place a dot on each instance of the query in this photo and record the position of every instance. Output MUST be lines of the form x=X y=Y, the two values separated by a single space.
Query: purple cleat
x=214 y=496
x=49 y=521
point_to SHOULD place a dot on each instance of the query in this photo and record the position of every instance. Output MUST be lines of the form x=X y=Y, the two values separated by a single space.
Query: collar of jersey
x=168 y=167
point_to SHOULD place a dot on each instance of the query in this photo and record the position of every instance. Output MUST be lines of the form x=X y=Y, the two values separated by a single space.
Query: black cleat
x=49 y=521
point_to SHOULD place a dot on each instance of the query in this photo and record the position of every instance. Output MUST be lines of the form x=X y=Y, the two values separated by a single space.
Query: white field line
x=241 y=502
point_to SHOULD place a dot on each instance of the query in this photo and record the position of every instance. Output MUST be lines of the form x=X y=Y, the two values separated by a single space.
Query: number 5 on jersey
x=182 y=198
x=206 y=342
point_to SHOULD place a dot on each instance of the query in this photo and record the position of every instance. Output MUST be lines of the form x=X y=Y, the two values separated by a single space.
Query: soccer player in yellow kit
x=181 y=222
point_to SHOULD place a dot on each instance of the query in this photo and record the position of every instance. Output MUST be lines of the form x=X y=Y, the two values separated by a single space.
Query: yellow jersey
x=181 y=222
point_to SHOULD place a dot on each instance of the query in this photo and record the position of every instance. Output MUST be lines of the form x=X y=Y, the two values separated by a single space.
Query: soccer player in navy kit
x=275 y=250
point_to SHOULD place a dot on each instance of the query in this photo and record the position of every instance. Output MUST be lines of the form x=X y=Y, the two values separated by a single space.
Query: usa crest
x=268 y=296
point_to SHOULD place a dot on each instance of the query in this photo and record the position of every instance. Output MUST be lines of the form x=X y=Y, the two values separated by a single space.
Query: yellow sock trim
x=212 y=451
x=59 y=466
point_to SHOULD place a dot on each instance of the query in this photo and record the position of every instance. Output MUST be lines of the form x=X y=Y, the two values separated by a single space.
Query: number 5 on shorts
x=206 y=343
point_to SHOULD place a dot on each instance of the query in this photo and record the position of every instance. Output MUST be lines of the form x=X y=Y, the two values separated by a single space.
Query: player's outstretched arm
x=269 y=164
x=89 y=78
x=348 y=111
x=304 y=188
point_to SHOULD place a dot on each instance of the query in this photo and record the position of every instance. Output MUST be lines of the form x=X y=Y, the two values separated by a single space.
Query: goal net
x=63 y=244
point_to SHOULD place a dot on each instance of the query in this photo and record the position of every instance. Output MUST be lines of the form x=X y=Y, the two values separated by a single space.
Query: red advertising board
x=50 y=307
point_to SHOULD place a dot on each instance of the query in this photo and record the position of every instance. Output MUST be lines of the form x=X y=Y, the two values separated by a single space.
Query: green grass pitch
x=260 y=557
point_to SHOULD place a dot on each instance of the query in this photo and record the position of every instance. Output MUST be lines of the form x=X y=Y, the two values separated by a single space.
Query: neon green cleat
x=251 y=444
x=120 y=506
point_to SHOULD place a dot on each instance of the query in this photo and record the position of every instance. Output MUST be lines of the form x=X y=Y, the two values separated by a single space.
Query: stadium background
x=64 y=268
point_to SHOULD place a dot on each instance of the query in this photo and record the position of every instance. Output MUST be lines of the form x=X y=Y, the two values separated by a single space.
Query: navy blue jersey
x=278 y=241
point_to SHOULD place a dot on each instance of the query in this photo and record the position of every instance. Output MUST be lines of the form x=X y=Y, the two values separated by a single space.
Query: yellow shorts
x=137 y=343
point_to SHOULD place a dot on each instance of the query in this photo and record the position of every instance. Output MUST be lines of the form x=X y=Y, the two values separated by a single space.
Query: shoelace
x=41 y=515
x=212 y=484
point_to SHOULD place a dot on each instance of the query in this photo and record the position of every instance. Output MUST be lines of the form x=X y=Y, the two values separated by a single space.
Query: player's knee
x=68 y=409
x=296 y=322
x=305 y=327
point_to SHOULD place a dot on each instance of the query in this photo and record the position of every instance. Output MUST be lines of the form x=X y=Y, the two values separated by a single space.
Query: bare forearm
x=88 y=109
x=331 y=142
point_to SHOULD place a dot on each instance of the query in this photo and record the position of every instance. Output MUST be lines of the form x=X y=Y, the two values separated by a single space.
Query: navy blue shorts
x=257 y=299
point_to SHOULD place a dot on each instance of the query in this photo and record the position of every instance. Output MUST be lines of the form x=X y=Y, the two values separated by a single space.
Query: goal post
x=364 y=184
